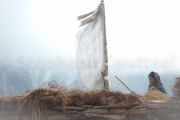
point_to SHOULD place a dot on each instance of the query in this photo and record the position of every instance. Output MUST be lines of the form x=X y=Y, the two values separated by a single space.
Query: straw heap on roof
x=154 y=95
x=52 y=95
x=176 y=87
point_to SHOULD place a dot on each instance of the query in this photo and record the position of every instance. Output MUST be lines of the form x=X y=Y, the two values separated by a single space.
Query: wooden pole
x=123 y=84
x=105 y=44
x=102 y=2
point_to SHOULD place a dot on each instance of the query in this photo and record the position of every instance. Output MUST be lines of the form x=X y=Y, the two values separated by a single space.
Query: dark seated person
x=155 y=82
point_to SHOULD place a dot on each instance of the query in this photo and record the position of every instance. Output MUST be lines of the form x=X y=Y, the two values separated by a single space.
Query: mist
x=18 y=75
x=25 y=74
x=38 y=42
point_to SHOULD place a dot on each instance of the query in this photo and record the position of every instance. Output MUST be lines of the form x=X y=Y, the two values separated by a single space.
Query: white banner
x=90 y=59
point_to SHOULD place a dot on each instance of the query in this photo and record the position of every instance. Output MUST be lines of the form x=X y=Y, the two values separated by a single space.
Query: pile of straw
x=97 y=97
x=176 y=87
x=52 y=95
x=154 y=95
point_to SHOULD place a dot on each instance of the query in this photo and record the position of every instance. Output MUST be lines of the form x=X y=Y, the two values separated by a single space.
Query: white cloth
x=90 y=58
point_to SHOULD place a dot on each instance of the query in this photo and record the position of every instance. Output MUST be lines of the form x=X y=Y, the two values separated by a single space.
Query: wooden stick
x=105 y=44
x=123 y=84
x=102 y=2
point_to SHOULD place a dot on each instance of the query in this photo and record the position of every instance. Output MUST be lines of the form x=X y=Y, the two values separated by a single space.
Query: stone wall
x=134 y=111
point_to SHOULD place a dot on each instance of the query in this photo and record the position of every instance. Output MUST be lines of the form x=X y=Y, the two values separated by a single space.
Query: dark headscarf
x=151 y=74
x=157 y=81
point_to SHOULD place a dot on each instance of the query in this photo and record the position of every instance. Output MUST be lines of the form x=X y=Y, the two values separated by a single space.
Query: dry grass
x=97 y=97
x=154 y=95
x=176 y=87
x=52 y=95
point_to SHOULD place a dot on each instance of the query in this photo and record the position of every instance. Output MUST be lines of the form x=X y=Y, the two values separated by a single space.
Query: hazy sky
x=142 y=36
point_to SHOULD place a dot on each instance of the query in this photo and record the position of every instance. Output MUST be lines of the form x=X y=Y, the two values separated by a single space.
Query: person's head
x=151 y=78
